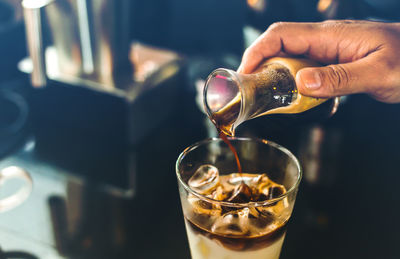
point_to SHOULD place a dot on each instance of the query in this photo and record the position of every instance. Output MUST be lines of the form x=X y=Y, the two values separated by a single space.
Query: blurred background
x=99 y=97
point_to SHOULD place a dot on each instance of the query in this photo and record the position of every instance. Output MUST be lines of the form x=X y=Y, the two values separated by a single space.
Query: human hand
x=364 y=56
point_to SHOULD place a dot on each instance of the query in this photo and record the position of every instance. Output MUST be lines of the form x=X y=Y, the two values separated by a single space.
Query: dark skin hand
x=362 y=56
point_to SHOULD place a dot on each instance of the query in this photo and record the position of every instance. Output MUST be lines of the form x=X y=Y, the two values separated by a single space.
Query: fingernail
x=310 y=78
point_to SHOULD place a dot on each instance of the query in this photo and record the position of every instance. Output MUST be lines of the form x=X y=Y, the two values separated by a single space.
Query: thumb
x=336 y=80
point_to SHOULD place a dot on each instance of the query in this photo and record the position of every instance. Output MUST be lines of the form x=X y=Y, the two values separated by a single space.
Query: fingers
x=326 y=42
x=338 y=80
x=364 y=51
x=258 y=51
x=290 y=38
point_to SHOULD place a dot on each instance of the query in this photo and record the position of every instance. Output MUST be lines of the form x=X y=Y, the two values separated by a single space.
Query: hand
x=364 y=56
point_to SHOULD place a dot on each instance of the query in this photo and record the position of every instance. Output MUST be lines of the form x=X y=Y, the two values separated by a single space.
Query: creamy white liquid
x=201 y=247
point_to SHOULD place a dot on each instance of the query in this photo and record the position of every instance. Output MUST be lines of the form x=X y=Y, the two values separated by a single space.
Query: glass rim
x=247 y=204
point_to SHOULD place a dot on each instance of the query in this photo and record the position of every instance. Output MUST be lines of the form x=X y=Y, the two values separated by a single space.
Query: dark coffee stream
x=224 y=137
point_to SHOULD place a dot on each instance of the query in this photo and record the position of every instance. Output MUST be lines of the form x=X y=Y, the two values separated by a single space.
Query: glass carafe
x=231 y=98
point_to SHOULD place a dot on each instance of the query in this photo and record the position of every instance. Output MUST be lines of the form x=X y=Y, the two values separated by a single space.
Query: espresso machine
x=94 y=88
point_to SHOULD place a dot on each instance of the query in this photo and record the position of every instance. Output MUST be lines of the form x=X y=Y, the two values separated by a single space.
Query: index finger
x=290 y=38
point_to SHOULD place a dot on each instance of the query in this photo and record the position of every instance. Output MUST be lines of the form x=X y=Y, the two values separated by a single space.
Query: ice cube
x=219 y=194
x=233 y=223
x=272 y=191
x=236 y=179
x=258 y=179
x=241 y=194
x=261 y=182
x=258 y=221
x=205 y=179
x=242 y=222
x=203 y=207
x=275 y=191
x=279 y=208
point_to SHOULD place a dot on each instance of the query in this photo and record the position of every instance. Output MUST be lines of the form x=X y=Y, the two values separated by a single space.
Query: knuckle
x=329 y=21
x=337 y=78
x=277 y=26
x=332 y=25
x=338 y=22
x=247 y=53
x=384 y=94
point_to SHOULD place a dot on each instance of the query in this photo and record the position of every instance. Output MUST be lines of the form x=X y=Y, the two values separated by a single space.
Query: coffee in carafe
x=231 y=98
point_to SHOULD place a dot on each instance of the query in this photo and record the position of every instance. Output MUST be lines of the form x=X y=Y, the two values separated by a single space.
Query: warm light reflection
x=214 y=102
x=323 y=5
x=257 y=5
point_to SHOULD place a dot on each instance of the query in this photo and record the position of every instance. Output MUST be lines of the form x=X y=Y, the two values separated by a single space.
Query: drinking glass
x=222 y=229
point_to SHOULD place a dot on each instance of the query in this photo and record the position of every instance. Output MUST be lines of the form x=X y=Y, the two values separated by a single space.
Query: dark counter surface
x=347 y=205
